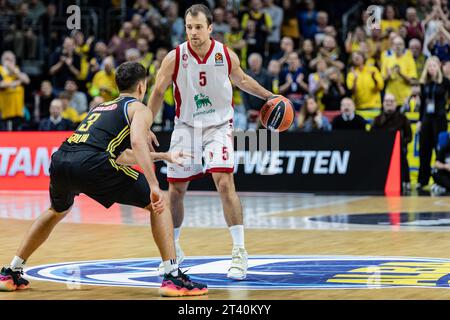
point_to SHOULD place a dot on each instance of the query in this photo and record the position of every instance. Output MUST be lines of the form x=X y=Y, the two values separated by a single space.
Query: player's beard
x=197 y=44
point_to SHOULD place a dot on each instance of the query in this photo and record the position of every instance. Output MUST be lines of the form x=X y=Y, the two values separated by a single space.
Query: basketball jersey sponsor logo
x=218 y=59
x=264 y=272
x=184 y=58
x=202 y=102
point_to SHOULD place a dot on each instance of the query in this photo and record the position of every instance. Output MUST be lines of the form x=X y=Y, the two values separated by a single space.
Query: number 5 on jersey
x=202 y=78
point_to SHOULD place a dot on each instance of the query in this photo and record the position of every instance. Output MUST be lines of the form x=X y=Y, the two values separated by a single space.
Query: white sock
x=17 y=264
x=237 y=233
x=176 y=233
x=171 y=267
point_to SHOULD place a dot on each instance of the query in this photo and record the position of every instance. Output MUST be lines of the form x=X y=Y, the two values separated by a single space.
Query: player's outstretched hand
x=157 y=199
x=178 y=157
x=152 y=139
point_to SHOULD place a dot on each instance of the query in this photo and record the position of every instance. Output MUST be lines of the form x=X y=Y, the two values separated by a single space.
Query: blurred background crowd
x=335 y=60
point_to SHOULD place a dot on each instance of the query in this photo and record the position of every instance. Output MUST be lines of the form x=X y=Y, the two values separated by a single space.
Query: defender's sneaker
x=180 y=286
x=238 y=268
x=180 y=258
x=12 y=280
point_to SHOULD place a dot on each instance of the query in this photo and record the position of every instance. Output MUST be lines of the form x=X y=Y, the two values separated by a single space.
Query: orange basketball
x=277 y=114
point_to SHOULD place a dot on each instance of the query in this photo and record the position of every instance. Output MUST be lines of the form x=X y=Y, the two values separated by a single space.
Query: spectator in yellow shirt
x=365 y=82
x=69 y=112
x=11 y=87
x=399 y=71
x=390 y=22
x=104 y=83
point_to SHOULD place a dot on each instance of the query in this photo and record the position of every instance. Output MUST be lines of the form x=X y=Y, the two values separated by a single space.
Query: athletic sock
x=171 y=267
x=237 y=233
x=17 y=264
x=176 y=233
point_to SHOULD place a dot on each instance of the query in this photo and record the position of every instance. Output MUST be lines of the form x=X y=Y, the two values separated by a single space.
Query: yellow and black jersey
x=105 y=128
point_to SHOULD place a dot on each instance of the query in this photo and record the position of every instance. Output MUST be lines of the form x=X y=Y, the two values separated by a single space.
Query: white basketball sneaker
x=180 y=258
x=239 y=264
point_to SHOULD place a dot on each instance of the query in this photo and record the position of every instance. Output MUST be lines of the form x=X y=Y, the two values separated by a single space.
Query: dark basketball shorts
x=98 y=176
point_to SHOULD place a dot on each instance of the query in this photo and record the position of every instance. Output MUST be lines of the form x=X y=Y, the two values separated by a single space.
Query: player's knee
x=224 y=185
x=59 y=214
x=177 y=190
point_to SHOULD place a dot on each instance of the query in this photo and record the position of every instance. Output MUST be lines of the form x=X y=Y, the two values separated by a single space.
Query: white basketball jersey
x=202 y=87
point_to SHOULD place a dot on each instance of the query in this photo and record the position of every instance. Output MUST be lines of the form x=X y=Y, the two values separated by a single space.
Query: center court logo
x=264 y=272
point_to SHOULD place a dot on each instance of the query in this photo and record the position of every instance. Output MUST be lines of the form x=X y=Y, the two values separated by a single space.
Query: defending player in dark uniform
x=95 y=160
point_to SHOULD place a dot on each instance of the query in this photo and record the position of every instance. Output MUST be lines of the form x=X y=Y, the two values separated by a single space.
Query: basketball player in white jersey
x=200 y=70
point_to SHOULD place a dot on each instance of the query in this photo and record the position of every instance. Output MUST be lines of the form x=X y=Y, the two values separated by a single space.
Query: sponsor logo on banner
x=322 y=162
x=264 y=272
x=25 y=159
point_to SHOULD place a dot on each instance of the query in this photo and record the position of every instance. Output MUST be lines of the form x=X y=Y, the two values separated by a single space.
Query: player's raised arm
x=163 y=80
x=244 y=82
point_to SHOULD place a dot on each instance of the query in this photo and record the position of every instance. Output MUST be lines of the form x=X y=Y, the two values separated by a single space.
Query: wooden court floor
x=83 y=238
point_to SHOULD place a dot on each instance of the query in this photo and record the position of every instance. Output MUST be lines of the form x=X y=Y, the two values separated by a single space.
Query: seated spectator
x=399 y=71
x=330 y=52
x=310 y=118
x=122 y=42
x=439 y=45
x=419 y=57
x=318 y=80
x=65 y=65
x=290 y=26
x=286 y=48
x=414 y=28
x=352 y=43
x=441 y=171
x=146 y=55
x=348 y=119
x=42 y=100
x=68 y=112
x=12 y=93
x=234 y=39
x=83 y=49
x=96 y=62
x=258 y=25
x=307 y=54
x=322 y=24
x=365 y=82
x=174 y=24
x=392 y=120
x=219 y=24
x=274 y=69
x=104 y=83
x=133 y=55
x=412 y=104
x=333 y=90
x=20 y=37
x=293 y=84
x=251 y=39
x=276 y=15
x=35 y=10
x=78 y=99
x=307 y=19
x=256 y=71
x=390 y=21
x=55 y=122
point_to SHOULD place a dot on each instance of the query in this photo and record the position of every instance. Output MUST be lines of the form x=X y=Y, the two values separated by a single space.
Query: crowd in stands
x=393 y=59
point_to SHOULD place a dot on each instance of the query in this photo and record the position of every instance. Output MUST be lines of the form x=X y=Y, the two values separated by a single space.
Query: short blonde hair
x=425 y=77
